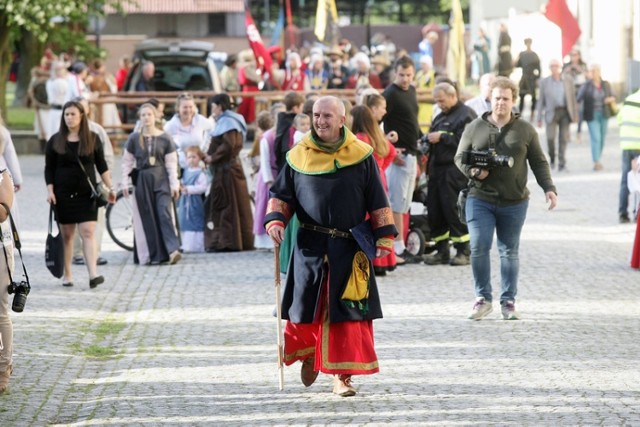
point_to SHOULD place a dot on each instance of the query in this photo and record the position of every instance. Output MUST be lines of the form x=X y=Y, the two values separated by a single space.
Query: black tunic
x=338 y=200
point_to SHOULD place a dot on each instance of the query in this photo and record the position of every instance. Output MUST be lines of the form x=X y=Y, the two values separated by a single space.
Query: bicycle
x=119 y=218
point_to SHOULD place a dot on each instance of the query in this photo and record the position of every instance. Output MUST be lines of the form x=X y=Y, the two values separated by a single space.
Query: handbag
x=99 y=192
x=54 y=249
x=612 y=109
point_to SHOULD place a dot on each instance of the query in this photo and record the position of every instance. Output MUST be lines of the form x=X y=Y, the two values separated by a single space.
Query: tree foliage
x=62 y=21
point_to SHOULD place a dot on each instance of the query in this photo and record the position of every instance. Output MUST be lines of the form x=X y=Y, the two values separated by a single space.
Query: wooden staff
x=279 y=316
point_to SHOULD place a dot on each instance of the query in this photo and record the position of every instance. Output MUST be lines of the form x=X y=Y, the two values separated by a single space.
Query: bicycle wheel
x=120 y=221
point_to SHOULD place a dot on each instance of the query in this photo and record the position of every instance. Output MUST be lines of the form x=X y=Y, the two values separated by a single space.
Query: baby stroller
x=418 y=239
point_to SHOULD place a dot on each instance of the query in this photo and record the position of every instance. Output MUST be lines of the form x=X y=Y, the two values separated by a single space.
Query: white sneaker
x=509 y=311
x=480 y=309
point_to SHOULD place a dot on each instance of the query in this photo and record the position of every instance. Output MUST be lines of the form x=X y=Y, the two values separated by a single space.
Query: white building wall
x=607 y=29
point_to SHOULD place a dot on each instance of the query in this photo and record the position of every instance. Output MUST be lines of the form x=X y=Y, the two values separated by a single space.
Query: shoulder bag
x=54 y=248
x=99 y=192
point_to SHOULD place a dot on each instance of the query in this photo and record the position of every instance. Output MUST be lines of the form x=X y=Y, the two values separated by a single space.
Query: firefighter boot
x=462 y=255
x=441 y=256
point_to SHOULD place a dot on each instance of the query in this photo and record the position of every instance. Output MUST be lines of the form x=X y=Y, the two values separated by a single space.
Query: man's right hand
x=276 y=232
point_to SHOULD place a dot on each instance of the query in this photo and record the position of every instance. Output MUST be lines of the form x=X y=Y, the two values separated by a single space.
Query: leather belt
x=333 y=232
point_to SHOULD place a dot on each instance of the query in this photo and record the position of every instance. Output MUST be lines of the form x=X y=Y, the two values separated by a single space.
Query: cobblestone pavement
x=194 y=343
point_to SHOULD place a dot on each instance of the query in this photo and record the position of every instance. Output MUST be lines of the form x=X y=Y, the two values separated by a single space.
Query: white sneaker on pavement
x=481 y=308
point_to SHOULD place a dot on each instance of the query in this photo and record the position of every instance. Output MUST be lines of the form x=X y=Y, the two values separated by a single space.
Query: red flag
x=558 y=13
x=263 y=58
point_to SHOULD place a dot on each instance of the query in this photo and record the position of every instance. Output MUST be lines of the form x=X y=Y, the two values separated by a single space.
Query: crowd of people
x=190 y=192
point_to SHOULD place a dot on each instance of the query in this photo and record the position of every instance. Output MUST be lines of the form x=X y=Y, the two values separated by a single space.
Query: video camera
x=21 y=290
x=485 y=159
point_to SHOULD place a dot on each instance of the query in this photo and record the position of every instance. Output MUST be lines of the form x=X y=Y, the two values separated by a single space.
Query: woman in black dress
x=68 y=189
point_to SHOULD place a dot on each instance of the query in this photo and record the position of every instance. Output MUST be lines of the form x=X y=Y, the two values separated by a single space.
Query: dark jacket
x=450 y=125
x=506 y=185
x=586 y=94
x=284 y=138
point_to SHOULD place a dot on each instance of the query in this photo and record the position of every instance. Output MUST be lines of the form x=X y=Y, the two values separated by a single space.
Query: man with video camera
x=445 y=180
x=493 y=152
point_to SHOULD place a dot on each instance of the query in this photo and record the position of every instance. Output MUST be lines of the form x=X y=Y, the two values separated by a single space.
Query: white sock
x=399 y=247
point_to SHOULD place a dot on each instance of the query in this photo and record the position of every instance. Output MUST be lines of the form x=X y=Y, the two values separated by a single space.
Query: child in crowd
x=633 y=182
x=193 y=185
x=302 y=125
x=265 y=121
x=266 y=173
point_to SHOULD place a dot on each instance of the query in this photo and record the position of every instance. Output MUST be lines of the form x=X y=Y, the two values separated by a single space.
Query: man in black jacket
x=445 y=179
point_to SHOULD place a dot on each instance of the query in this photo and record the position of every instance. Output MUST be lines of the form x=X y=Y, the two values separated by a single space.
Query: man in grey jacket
x=498 y=196
x=558 y=107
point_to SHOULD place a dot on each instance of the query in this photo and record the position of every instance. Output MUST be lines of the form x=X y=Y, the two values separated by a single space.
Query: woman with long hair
x=151 y=161
x=597 y=98
x=366 y=129
x=228 y=219
x=68 y=187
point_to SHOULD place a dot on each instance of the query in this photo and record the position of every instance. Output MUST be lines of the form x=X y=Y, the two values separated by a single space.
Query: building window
x=217 y=23
x=167 y=25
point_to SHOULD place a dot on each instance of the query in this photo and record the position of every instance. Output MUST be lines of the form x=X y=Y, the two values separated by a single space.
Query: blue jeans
x=482 y=219
x=597 y=133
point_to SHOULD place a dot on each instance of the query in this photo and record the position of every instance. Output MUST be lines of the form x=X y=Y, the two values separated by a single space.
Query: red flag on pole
x=263 y=58
x=558 y=12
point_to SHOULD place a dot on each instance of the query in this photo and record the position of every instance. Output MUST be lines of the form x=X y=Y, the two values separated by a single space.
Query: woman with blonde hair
x=187 y=127
x=366 y=129
x=151 y=161
x=598 y=98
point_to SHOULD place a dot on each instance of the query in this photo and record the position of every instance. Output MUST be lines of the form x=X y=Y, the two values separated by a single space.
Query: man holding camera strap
x=445 y=179
x=499 y=198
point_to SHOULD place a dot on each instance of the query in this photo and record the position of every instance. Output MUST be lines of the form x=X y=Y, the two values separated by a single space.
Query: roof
x=182 y=6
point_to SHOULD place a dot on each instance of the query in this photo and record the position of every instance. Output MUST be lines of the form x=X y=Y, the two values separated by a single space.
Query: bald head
x=328 y=119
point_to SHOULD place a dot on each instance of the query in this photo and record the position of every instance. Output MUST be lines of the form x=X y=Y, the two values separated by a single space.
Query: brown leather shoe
x=307 y=373
x=342 y=386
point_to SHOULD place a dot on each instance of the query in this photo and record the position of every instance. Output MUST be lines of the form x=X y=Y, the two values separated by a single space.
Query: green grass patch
x=20 y=118
x=100 y=331
x=108 y=326
x=99 y=352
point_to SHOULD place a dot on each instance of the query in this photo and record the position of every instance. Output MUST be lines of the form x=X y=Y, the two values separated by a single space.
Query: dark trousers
x=442 y=203
x=559 y=125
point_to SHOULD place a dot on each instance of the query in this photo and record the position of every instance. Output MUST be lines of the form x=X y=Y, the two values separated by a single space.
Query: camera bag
x=54 y=248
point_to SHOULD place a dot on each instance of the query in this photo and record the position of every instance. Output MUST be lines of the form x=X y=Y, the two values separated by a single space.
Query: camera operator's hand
x=551 y=198
x=433 y=137
x=479 y=174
